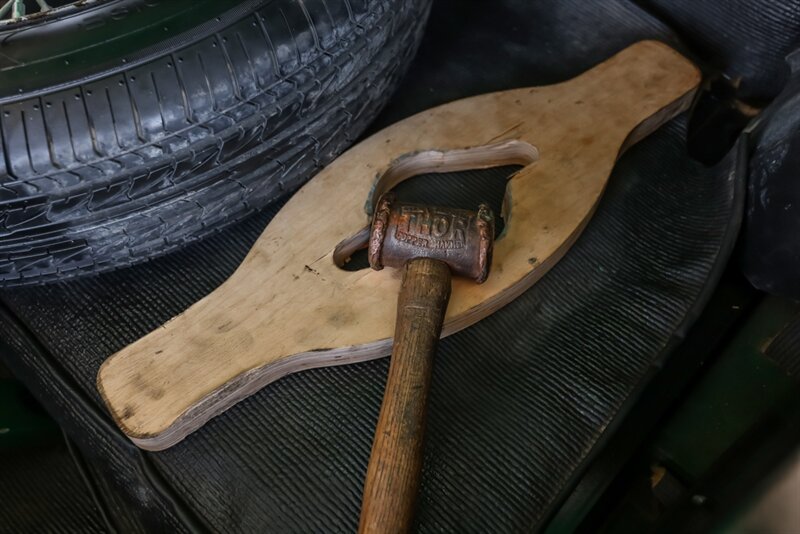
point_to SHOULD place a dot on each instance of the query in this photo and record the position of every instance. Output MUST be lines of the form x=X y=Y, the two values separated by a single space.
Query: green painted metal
x=23 y=423
x=591 y=499
x=740 y=389
x=17 y=9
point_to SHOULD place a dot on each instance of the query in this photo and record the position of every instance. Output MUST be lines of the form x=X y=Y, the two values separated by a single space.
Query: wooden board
x=289 y=307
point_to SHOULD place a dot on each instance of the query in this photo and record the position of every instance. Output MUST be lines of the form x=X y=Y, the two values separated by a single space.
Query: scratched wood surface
x=289 y=307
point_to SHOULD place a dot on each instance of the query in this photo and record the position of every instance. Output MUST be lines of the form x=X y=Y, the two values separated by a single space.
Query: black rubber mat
x=42 y=490
x=520 y=402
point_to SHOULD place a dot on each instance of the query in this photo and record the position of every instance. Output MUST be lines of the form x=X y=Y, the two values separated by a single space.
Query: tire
x=178 y=118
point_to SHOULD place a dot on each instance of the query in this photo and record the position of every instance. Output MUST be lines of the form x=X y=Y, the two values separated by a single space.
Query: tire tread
x=150 y=157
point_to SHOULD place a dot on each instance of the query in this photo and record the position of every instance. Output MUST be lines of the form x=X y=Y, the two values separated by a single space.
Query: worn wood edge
x=510 y=152
x=252 y=381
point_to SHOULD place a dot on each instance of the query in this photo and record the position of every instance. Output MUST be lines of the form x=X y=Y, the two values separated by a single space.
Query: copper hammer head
x=402 y=231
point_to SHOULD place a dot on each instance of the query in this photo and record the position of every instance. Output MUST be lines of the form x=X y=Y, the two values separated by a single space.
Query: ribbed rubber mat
x=41 y=490
x=519 y=401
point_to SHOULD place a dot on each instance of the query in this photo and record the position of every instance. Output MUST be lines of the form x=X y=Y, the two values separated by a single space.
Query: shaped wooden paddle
x=290 y=306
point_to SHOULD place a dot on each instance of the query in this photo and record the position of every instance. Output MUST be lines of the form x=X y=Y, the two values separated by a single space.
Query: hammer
x=429 y=244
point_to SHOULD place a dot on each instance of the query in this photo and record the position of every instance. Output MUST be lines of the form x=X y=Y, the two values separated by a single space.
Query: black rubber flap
x=771 y=252
x=519 y=401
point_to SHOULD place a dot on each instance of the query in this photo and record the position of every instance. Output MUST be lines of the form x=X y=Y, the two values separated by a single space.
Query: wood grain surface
x=289 y=307
x=395 y=465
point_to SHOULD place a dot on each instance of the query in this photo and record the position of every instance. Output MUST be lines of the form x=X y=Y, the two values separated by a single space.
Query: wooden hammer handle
x=395 y=464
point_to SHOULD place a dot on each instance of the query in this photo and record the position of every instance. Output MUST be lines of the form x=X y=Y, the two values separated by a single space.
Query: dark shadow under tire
x=132 y=127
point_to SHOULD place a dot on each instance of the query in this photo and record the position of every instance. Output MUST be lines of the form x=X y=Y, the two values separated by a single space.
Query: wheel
x=130 y=128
